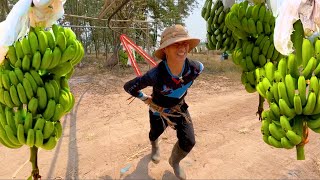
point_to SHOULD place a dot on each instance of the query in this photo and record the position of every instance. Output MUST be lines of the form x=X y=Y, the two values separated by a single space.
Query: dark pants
x=185 y=132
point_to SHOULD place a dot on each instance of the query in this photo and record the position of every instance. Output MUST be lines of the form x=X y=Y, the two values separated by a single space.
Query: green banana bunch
x=219 y=37
x=252 y=27
x=292 y=90
x=34 y=89
x=281 y=132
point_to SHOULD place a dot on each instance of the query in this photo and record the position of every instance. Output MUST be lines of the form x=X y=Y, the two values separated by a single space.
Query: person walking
x=170 y=80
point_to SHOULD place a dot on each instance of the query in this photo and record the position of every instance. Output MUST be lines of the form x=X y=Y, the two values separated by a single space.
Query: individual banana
x=285 y=124
x=18 y=49
x=11 y=55
x=26 y=63
x=50 y=144
x=309 y=107
x=314 y=85
x=19 y=74
x=56 y=89
x=275 y=91
x=286 y=143
x=42 y=97
x=274 y=142
x=33 y=41
x=56 y=57
x=28 y=122
x=36 y=60
x=58 y=112
x=11 y=135
x=313 y=123
x=62 y=69
x=7 y=99
x=293 y=137
x=68 y=54
x=71 y=35
x=307 y=71
x=51 y=40
x=297 y=104
x=43 y=41
x=20 y=134
x=269 y=68
x=58 y=129
x=30 y=138
x=282 y=67
x=32 y=82
x=13 y=78
x=285 y=109
x=265 y=127
x=48 y=129
x=290 y=87
x=292 y=66
x=46 y=59
x=5 y=81
x=39 y=125
x=6 y=141
x=14 y=96
x=36 y=76
x=61 y=41
x=64 y=99
x=38 y=138
x=28 y=88
x=276 y=132
x=33 y=105
x=307 y=51
x=22 y=94
x=26 y=46
x=282 y=91
x=275 y=109
x=49 y=111
x=302 y=90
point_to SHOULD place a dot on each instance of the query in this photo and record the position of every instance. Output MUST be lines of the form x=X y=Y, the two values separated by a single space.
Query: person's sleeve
x=198 y=67
x=134 y=86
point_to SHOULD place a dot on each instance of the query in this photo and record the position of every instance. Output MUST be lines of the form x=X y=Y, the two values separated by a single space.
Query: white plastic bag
x=275 y=5
x=316 y=13
x=42 y=3
x=228 y=3
x=305 y=13
x=14 y=27
x=288 y=14
x=45 y=16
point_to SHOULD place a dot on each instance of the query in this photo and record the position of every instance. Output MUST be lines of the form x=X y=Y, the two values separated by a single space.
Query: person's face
x=177 y=51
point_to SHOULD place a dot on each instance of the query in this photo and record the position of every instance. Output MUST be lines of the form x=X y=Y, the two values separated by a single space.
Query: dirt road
x=104 y=136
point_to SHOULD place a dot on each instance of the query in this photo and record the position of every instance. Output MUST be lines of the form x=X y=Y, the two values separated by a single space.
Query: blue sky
x=195 y=24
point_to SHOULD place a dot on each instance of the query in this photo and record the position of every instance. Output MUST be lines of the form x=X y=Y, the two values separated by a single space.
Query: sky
x=195 y=24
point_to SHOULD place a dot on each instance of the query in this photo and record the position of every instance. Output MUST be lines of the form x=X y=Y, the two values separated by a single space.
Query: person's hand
x=148 y=101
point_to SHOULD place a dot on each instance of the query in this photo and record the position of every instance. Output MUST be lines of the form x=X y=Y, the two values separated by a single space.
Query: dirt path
x=104 y=135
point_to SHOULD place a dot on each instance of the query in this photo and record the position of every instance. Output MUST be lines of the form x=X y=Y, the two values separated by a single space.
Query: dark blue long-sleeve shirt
x=168 y=89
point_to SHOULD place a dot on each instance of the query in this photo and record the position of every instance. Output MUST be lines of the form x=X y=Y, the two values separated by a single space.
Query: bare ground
x=105 y=138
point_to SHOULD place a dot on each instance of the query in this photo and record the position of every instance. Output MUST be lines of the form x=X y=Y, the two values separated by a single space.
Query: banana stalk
x=34 y=161
x=300 y=147
x=260 y=107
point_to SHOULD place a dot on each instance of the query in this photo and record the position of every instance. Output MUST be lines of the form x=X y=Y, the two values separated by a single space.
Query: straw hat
x=173 y=34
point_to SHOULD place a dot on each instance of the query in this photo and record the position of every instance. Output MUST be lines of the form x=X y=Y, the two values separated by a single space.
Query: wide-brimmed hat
x=173 y=34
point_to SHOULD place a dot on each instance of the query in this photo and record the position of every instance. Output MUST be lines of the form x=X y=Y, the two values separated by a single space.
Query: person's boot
x=176 y=156
x=155 y=151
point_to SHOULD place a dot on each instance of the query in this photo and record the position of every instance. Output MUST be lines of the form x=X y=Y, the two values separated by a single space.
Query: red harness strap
x=128 y=44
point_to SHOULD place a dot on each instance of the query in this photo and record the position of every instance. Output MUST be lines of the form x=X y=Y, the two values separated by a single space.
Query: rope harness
x=175 y=111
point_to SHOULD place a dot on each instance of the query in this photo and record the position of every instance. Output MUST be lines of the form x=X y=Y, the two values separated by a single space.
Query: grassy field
x=213 y=64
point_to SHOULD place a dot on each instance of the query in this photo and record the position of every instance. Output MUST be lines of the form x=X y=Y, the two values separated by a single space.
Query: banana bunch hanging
x=252 y=26
x=34 y=89
x=292 y=91
x=219 y=37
